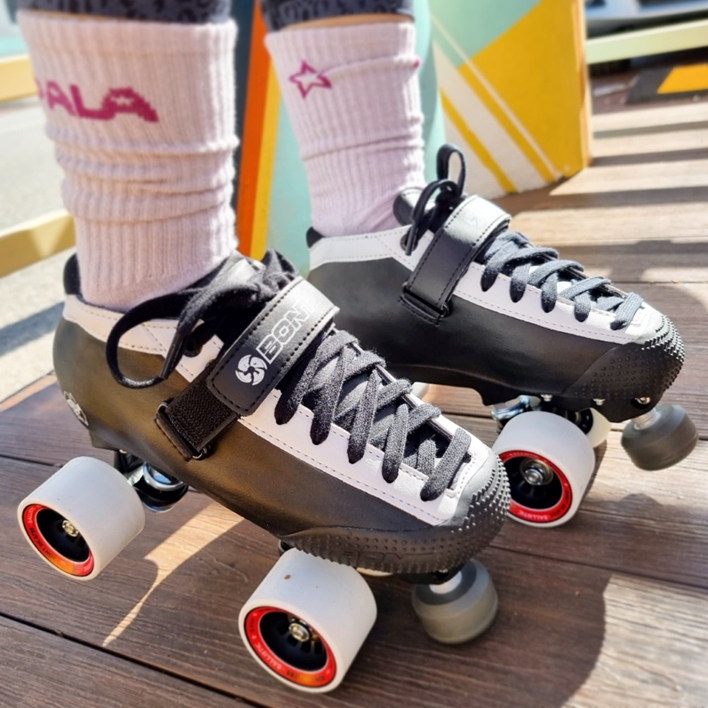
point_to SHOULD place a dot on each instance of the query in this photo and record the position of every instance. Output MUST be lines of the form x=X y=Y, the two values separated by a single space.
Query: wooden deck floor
x=610 y=610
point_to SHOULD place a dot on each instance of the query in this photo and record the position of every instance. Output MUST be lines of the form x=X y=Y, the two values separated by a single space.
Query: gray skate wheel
x=660 y=438
x=460 y=609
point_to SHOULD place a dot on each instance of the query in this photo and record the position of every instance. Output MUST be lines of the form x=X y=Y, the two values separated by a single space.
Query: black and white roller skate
x=455 y=297
x=241 y=387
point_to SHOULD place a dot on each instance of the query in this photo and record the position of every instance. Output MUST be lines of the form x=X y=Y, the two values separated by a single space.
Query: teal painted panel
x=12 y=45
x=433 y=122
x=473 y=24
x=289 y=209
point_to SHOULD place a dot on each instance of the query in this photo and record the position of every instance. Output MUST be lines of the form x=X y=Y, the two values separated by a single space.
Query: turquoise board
x=472 y=29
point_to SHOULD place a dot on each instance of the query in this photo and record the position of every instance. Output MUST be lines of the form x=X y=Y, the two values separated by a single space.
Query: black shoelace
x=339 y=382
x=512 y=254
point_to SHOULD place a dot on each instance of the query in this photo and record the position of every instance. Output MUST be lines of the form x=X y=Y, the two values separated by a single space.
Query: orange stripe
x=258 y=68
x=27 y=391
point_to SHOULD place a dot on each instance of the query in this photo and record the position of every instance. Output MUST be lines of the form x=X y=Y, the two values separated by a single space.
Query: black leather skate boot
x=455 y=297
x=241 y=387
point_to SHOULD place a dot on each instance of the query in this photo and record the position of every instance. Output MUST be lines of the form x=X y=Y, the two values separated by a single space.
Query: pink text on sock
x=117 y=100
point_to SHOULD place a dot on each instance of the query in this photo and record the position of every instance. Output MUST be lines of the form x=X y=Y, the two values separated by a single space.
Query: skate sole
x=415 y=552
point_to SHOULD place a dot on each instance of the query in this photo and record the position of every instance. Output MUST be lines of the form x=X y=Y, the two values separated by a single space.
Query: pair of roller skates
x=242 y=387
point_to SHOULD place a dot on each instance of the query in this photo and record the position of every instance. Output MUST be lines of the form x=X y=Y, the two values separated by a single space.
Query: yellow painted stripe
x=500 y=114
x=33 y=240
x=491 y=98
x=686 y=78
x=578 y=8
x=265 y=169
x=16 y=80
x=475 y=144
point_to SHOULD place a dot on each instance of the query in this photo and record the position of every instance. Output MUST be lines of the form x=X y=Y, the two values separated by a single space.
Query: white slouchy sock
x=353 y=99
x=142 y=115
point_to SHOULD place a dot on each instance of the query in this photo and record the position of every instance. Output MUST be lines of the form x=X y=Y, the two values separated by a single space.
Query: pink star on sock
x=307 y=78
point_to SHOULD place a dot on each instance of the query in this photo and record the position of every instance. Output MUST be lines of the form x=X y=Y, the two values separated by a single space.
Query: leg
x=437 y=282
x=142 y=115
x=350 y=86
x=238 y=384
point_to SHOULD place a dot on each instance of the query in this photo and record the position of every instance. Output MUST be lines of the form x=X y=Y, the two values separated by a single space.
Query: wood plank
x=620 y=198
x=648 y=660
x=39 y=385
x=655 y=175
x=609 y=144
x=41 y=669
x=43 y=429
x=602 y=225
x=676 y=261
x=643 y=158
x=588 y=619
x=658 y=117
x=652 y=524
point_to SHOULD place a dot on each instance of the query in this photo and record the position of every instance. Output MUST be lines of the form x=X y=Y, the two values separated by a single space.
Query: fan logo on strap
x=284 y=330
x=251 y=369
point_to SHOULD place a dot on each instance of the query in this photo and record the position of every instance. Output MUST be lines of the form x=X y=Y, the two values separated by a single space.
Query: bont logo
x=284 y=329
x=251 y=369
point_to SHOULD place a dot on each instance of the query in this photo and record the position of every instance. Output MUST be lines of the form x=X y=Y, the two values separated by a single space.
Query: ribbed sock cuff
x=353 y=99
x=143 y=118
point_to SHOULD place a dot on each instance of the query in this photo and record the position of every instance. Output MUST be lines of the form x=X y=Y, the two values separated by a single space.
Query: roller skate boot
x=241 y=387
x=455 y=297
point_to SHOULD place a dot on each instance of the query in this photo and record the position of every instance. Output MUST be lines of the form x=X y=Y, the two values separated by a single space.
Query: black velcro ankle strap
x=249 y=370
x=449 y=255
x=257 y=361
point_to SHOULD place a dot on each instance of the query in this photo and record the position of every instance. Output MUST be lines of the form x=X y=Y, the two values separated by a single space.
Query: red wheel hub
x=310 y=679
x=552 y=513
x=67 y=565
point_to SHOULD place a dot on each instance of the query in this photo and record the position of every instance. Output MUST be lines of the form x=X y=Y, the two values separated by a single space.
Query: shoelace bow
x=512 y=254
x=375 y=412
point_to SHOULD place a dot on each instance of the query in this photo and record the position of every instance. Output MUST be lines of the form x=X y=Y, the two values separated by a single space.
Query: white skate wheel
x=307 y=620
x=550 y=463
x=82 y=517
x=599 y=429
